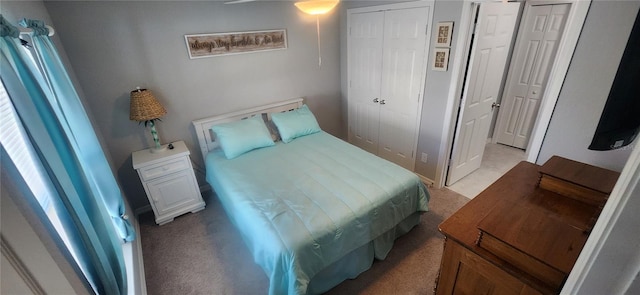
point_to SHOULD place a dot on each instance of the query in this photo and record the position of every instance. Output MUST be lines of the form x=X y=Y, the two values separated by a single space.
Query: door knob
x=535 y=92
x=495 y=105
x=376 y=100
x=383 y=102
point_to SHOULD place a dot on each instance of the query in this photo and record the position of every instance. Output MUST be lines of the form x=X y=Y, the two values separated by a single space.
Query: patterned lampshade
x=144 y=106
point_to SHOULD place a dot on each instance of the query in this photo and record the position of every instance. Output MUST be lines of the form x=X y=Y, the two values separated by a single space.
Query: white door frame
x=569 y=40
x=396 y=6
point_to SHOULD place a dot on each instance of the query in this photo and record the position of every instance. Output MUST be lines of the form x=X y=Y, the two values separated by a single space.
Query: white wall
x=116 y=46
x=587 y=84
x=616 y=260
x=610 y=260
x=437 y=92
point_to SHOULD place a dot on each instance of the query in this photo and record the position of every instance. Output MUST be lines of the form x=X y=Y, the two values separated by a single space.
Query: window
x=63 y=168
x=15 y=141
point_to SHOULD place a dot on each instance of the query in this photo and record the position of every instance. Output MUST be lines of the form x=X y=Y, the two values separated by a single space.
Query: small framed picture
x=440 y=59
x=443 y=34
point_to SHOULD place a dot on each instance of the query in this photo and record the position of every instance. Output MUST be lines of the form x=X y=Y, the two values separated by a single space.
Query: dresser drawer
x=157 y=170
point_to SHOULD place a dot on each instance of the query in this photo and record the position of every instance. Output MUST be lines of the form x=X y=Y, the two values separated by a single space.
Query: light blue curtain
x=69 y=109
x=62 y=135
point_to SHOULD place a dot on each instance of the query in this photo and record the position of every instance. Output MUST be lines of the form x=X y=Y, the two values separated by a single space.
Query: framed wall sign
x=444 y=31
x=440 y=59
x=208 y=45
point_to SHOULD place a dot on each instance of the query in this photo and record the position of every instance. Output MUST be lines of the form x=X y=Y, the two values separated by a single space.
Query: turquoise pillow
x=296 y=123
x=239 y=137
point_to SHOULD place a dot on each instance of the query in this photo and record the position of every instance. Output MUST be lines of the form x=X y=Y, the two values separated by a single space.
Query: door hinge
x=426 y=31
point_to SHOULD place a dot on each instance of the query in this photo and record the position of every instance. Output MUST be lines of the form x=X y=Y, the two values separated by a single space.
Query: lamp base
x=161 y=149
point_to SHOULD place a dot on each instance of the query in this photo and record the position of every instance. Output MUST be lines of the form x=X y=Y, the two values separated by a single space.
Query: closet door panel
x=539 y=38
x=403 y=62
x=365 y=70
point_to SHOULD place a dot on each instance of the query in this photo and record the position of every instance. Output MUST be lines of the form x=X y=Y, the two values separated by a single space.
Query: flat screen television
x=620 y=120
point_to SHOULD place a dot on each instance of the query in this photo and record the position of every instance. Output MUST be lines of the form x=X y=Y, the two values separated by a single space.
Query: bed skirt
x=358 y=261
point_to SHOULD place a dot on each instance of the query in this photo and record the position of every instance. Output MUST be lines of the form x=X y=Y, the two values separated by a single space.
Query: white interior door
x=490 y=49
x=365 y=70
x=533 y=57
x=405 y=37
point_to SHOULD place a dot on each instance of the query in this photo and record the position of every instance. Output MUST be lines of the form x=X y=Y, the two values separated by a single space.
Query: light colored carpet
x=203 y=253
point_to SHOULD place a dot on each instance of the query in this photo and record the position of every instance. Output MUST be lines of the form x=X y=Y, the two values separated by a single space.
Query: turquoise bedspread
x=303 y=205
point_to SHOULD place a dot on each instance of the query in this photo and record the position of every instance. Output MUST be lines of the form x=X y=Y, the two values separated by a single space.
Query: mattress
x=302 y=206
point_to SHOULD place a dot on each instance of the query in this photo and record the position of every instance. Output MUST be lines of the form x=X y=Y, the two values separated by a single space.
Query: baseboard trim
x=205 y=188
x=20 y=269
x=426 y=180
x=142 y=210
x=141 y=275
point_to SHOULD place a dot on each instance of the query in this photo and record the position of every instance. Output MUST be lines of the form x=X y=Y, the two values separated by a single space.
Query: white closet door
x=365 y=70
x=495 y=27
x=531 y=65
x=405 y=35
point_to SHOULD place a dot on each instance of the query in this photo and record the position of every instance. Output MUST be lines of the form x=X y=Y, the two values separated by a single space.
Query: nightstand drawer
x=154 y=171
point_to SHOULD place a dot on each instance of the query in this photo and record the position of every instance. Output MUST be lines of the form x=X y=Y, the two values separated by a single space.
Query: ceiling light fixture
x=316 y=7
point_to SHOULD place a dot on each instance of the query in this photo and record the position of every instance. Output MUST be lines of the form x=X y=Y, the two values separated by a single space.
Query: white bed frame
x=206 y=138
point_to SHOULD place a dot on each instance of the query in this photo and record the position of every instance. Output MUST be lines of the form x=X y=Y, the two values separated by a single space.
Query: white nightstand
x=169 y=181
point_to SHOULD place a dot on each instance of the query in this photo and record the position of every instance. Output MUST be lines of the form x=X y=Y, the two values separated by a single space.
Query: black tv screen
x=620 y=120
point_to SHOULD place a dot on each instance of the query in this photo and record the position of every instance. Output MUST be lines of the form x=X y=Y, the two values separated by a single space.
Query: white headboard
x=206 y=139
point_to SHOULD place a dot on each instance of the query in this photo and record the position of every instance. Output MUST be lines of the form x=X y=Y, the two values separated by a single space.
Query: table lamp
x=146 y=108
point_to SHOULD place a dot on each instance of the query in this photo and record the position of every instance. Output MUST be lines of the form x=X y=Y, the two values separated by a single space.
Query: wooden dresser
x=523 y=234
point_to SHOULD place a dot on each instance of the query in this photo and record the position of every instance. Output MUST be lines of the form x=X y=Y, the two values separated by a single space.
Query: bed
x=313 y=210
